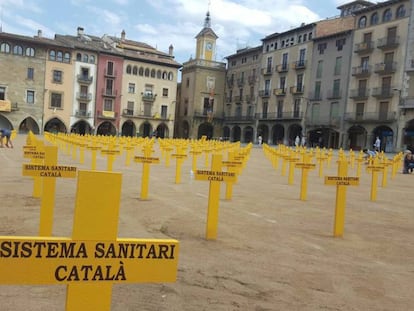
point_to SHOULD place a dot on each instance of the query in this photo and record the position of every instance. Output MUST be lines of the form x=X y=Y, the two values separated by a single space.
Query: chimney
x=123 y=35
x=39 y=33
x=80 y=31
x=171 y=50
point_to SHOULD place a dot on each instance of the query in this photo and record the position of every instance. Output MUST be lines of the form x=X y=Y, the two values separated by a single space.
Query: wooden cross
x=341 y=182
x=94 y=258
x=214 y=176
x=146 y=160
x=49 y=171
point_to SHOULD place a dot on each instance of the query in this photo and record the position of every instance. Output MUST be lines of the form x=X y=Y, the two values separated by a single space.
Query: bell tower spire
x=206 y=40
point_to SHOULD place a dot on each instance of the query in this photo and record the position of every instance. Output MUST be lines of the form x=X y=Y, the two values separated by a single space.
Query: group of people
x=5 y=133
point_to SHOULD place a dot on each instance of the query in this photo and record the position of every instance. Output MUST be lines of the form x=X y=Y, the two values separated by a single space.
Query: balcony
x=407 y=103
x=388 y=43
x=264 y=93
x=279 y=92
x=239 y=118
x=109 y=93
x=315 y=96
x=280 y=115
x=110 y=73
x=364 y=47
x=84 y=79
x=382 y=92
x=108 y=115
x=385 y=68
x=334 y=94
x=370 y=117
x=207 y=114
x=148 y=96
x=282 y=68
x=84 y=96
x=299 y=65
x=127 y=112
x=230 y=82
x=323 y=121
x=251 y=79
x=82 y=114
x=267 y=71
x=240 y=82
x=237 y=99
x=359 y=94
x=361 y=71
x=299 y=89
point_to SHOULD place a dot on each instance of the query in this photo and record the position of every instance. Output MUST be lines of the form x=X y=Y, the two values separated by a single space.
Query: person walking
x=5 y=133
x=377 y=144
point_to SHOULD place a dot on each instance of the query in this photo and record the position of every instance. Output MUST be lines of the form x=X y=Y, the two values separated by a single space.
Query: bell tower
x=206 y=41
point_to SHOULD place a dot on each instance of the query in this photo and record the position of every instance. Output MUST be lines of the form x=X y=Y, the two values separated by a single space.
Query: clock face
x=209 y=46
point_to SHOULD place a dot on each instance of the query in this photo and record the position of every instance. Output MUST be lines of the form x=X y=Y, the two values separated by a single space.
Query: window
x=164 y=75
x=387 y=16
x=78 y=57
x=30 y=52
x=317 y=95
x=187 y=82
x=18 y=50
x=164 y=110
x=30 y=96
x=299 y=38
x=59 y=56
x=362 y=23
x=66 y=57
x=280 y=108
x=338 y=65
x=57 y=76
x=108 y=105
x=310 y=36
x=135 y=71
x=131 y=88
x=340 y=43
x=400 y=12
x=305 y=37
x=56 y=100
x=336 y=88
x=128 y=69
x=85 y=58
x=141 y=71
x=159 y=74
x=296 y=108
x=110 y=68
x=2 y=93
x=52 y=55
x=334 y=112
x=170 y=76
x=153 y=73
x=165 y=92
x=322 y=48
x=30 y=73
x=147 y=72
x=5 y=48
x=319 y=69
x=374 y=18
x=92 y=59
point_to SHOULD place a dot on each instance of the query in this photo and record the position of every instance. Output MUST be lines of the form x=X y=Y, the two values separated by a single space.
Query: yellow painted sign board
x=29 y=154
x=38 y=260
x=215 y=176
x=341 y=181
x=37 y=170
x=232 y=163
x=29 y=147
x=140 y=159
x=179 y=156
x=305 y=165
x=110 y=152
x=375 y=167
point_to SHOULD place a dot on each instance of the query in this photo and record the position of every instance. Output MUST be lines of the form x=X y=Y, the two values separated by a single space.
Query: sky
x=160 y=23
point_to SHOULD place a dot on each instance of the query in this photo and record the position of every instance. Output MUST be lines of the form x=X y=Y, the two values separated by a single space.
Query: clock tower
x=206 y=41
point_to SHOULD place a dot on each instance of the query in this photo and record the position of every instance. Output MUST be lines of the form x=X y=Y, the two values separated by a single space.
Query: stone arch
x=248 y=134
x=106 y=128
x=235 y=133
x=205 y=129
x=278 y=134
x=81 y=127
x=128 y=129
x=55 y=125
x=29 y=124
